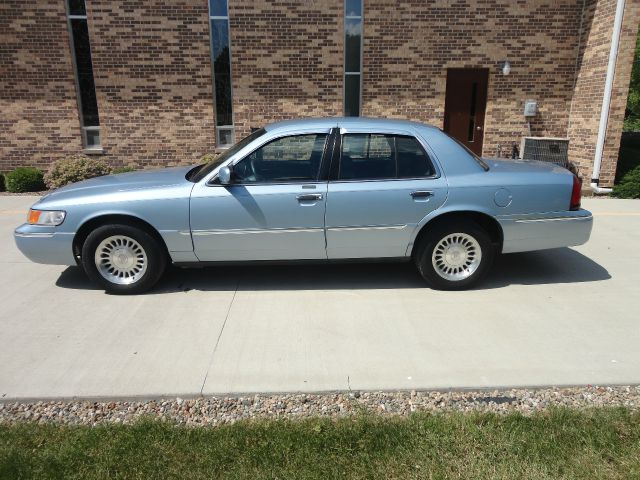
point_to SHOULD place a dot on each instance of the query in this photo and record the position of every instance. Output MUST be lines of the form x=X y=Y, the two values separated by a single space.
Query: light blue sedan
x=323 y=190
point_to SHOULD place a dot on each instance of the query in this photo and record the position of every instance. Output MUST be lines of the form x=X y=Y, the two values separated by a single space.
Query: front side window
x=376 y=156
x=199 y=173
x=288 y=159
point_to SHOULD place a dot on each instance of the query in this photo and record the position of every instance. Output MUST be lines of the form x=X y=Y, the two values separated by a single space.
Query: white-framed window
x=85 y=83
x=221 y=67
x=352 y=57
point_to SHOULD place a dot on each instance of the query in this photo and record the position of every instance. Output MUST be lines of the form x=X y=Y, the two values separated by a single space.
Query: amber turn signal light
x=34 y=216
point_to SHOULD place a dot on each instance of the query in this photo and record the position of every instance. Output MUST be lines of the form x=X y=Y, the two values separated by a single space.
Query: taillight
x=576 y=194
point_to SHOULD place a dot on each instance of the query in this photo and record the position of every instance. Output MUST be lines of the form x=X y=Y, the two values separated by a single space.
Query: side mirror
x=224 y=175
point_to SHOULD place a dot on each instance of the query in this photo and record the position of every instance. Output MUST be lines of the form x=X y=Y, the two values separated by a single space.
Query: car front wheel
x=455 y=256
x=123 y=259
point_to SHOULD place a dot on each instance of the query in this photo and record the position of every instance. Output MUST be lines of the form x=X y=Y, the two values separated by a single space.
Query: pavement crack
x=224 y=324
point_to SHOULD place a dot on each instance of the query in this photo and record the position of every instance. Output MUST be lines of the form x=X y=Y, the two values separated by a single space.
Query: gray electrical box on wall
x=530 y=108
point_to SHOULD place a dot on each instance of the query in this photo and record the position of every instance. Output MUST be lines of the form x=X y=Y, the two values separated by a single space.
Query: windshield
x=199 y=173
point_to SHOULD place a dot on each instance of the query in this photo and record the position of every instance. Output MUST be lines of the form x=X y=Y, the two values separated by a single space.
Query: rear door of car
x=382 y=184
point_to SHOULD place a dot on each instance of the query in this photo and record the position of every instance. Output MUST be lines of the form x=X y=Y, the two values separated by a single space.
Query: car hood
x=123 y=182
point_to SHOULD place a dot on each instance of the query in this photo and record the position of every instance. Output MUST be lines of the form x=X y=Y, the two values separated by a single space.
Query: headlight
x=51 y=218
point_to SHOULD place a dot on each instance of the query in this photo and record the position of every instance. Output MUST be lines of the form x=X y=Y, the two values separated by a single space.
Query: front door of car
x=384 y=184
x=272 y=210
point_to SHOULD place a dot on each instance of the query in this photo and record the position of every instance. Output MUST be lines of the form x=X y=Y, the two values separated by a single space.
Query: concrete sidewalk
x=566 y=316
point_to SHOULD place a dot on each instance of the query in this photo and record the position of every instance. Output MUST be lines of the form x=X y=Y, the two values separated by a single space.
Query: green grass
x=591 y=444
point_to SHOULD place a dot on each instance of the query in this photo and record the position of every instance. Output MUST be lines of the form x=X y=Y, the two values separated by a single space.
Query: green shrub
x=2 y=187
x=629 y=186
x=207 y=157
x=74 y=169
x=25 y=179
x=125 y=169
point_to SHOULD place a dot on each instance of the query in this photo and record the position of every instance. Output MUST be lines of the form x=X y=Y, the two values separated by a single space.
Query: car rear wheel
x=123 y=259
x=455 y=256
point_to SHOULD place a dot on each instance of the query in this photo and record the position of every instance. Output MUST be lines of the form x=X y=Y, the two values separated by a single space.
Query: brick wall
x=152 y=67
x=38 y=107
x=409 y=45
x=286 y=60
x=153 y=71
x=597 y=28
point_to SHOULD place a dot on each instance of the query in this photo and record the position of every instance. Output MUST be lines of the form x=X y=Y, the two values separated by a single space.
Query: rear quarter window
x=412 y=160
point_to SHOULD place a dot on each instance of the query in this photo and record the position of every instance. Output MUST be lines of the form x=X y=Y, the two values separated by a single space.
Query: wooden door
x=465 y=105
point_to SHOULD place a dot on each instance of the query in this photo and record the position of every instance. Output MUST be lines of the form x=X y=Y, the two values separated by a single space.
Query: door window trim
x=335 y=166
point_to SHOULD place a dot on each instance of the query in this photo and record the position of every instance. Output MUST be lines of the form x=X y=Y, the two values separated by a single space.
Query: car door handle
x=309 y=197
x=421 y=194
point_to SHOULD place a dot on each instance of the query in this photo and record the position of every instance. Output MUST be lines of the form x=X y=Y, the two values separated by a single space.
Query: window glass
x=225 y=136
x=376 y=156
x=92 y=137
x=84 y=72
x=218 y=8
x=86 y=87
x=351 y=95
x=367 y=157
x=287 y=159
x=222 y=71
x=352 y=57
x=77 y=7
x=412 y=159
x=201 y=172
x=353 y=8
x=353 y=39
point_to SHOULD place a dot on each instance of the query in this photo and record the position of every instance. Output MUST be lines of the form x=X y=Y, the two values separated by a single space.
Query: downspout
x=606 y=100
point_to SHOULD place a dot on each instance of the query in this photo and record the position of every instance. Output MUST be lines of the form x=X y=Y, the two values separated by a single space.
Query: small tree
x=74 y=169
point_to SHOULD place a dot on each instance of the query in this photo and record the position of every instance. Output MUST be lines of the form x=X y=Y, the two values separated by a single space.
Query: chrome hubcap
x=121 y=260
x=456 y=256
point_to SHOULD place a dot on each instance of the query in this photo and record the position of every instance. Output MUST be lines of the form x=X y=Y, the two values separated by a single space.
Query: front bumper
x=45 y=245
x=523 y=233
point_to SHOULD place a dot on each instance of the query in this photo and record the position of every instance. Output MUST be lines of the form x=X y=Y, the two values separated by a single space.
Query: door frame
x=208 y=188
x=480 y=70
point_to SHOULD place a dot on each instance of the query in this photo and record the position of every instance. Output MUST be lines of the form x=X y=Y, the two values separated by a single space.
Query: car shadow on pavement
x=559 y=265
x=562 y=265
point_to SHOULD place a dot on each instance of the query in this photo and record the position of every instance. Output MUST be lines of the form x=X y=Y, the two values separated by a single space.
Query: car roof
x=328 y=122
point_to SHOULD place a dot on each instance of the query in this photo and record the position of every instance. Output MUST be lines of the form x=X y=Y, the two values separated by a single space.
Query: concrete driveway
x=558 y=317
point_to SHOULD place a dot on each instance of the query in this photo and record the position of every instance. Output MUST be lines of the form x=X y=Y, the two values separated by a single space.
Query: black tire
x=156 y=260
x=425 y=263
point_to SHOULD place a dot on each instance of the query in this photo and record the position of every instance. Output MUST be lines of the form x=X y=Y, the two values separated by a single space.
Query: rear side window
x=376 y=156
x=367 y=157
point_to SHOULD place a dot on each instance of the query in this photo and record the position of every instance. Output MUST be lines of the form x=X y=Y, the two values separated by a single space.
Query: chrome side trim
x=233 y=231
x=34 y=235
x=556 y=219
x=369 y=227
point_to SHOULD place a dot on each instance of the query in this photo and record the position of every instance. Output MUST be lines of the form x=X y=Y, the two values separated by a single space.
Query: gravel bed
x=220 y=410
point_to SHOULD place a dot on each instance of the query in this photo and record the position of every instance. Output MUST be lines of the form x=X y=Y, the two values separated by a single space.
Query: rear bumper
x=524 y=233
x=45 y=245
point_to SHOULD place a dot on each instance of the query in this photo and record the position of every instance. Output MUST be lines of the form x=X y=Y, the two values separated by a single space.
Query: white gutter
x=606 y=100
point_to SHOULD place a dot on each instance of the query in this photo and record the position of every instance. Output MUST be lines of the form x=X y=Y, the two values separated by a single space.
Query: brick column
x=591 y=71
